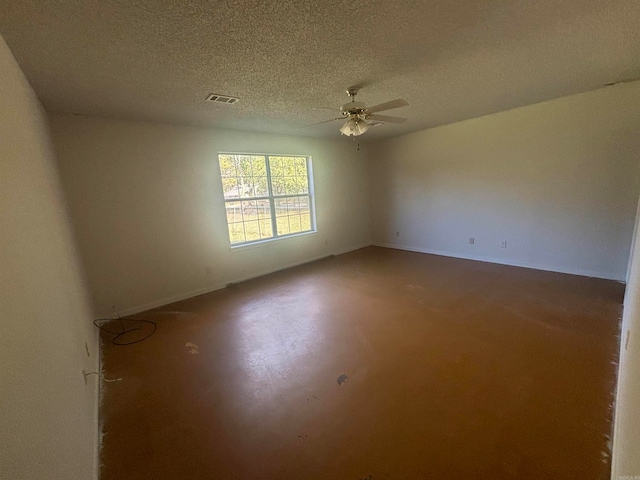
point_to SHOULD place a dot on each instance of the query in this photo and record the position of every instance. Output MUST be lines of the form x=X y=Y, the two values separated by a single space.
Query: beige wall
x=557 y=180
x=147 y=205
x=626 y=440
x=48 y=418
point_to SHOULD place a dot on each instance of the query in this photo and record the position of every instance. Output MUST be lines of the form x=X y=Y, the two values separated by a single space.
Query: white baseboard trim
x=166 y=301
x=500 y=261
x=212 y=288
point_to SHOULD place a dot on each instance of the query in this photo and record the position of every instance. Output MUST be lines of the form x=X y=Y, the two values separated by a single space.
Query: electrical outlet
x=472 y=241
x=503 y=244
x=208 y=270
x=397 y=234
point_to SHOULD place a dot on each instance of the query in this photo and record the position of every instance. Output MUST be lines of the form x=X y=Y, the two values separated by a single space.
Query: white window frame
x=272 y=198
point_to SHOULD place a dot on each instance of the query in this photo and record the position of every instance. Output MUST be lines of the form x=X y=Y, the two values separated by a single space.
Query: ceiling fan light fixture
x=354 y=127
x=359 y=118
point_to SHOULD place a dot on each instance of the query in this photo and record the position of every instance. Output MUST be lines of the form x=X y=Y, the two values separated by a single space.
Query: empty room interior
x=319 y=240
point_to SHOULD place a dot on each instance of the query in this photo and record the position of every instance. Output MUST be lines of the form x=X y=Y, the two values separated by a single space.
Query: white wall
x=48 y=417
x=147 y=204
x=557 y=180
x=626 y=441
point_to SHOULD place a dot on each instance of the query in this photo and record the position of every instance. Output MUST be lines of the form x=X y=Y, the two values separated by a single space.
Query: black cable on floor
x=124 y=329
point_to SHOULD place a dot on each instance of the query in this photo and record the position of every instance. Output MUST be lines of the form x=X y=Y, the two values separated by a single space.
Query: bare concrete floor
x=377 y=364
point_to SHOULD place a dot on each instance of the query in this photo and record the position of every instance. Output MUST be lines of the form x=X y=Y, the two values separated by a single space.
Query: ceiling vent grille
x=228 y=99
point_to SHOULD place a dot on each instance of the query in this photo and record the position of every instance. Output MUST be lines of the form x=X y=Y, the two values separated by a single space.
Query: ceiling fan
x=359 y=118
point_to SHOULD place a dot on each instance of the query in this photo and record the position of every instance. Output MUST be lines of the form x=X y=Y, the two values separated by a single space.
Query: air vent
x=228 y=99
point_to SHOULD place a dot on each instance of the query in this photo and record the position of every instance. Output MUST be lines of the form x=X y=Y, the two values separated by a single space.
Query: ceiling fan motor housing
x=359 y=118
x=353 y=107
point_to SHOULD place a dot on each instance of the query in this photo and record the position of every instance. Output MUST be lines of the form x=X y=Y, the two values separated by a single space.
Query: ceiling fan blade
x=386 y=119
x=388 y=105
x=325 y=121
x=326 y=108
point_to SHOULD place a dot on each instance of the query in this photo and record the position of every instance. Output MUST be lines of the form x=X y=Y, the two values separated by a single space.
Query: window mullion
x=311 y=195
x=250 y=199
x=291 y=195
x=272 y=203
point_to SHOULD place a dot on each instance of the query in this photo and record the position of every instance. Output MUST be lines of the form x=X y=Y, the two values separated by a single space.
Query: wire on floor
x=86 y=374
x=121 y=335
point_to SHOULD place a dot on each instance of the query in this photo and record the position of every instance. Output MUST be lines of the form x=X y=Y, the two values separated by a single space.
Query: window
x=266 y=196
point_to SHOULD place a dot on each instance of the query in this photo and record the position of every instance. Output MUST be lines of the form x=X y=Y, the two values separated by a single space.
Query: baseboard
x=352 y=249
x=212 y=288
x=296 y=264
x=500 y=261
x=166 y=301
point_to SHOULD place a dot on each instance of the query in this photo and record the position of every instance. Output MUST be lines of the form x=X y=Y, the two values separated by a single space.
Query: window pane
x=263 y=209
x=230 y=187
x=281 y=207
x=251 y=230
x=266 y=231
x=302 y=184
x=278 y=185
x=294 y=173
x=304 y=204
x=227 y=166
x=260 y=186
x=249 y=210
x=243 y=166
x=305 y=222
x=293 y=205
x=283 y=225
x=234 y=212
x=295 y=225
x=242 y=188
x=289 y=175
x=259 y=167
x=248 y=188
x=275 y=166
x=250 y=177
x=236 y=232
x=288 y=166
x=290 y=185
x=301 y=166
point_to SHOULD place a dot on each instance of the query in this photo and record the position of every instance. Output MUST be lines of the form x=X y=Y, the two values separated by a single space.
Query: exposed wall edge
x=97 y=461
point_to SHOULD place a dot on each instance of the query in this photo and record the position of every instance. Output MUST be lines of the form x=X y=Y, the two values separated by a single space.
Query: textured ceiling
x=451 y=59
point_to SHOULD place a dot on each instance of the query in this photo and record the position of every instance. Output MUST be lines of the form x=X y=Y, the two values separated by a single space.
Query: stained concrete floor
x=377 y=364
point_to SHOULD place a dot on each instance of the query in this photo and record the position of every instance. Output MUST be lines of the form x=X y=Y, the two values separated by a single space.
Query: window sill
x=267 y=241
